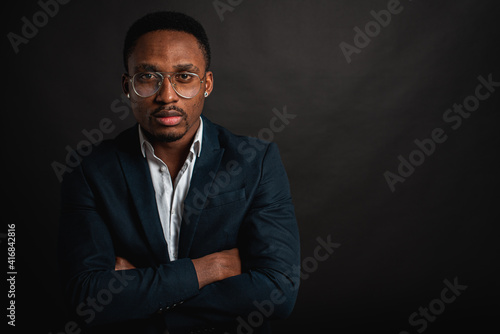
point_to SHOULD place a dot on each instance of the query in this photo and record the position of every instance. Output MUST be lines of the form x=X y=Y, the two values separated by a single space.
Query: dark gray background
x=352 y=122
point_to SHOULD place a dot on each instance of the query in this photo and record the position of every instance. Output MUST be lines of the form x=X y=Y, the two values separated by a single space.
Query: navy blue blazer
x=239 y=197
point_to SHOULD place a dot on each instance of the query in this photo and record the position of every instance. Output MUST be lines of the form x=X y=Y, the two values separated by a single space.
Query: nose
x=166 y=94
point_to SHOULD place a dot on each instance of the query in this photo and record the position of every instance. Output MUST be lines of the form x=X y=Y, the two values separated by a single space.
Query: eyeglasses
x=185 y=84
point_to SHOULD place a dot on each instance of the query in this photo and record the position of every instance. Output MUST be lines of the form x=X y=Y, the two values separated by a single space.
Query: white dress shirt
x=170 y=196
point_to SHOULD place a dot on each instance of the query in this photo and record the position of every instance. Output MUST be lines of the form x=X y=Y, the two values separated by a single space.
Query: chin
x=169 y=136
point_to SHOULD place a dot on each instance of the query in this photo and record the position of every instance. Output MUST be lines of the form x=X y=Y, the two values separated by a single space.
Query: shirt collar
x=195 y=146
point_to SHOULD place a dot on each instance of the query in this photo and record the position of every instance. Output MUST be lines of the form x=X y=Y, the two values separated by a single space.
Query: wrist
x=206 y=270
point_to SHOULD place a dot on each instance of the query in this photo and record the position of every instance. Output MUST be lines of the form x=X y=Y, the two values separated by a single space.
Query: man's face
x=166 y=116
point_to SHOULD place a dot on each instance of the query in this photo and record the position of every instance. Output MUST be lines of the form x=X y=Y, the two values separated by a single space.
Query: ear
x=209 y=82
x=126 y=84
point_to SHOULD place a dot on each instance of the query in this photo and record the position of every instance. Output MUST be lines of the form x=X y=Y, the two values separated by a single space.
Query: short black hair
x=174 y=21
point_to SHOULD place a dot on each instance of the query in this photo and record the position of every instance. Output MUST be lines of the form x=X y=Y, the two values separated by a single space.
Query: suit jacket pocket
x=219 y=223
x=225 y=198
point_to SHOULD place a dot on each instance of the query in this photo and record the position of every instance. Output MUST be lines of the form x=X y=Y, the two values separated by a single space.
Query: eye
x=147 y=77
x=184 y=77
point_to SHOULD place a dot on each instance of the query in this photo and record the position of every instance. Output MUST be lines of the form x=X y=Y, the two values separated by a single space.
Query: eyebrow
x=146 y=67
x=186 y=67
x=153 y=68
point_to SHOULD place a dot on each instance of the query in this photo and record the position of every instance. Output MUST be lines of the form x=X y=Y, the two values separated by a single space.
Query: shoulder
x=103 y=155
x=249 y=161
x=126 y=141
x=249 y=149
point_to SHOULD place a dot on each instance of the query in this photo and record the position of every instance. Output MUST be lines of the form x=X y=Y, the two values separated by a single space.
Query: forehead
x=165 y=49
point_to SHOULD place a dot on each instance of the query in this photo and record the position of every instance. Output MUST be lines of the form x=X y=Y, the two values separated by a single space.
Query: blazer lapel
x=201 y=183
x=138 y=178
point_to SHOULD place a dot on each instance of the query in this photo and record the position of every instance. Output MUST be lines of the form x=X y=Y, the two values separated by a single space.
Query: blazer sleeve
x=95 y=291
x=269 y=249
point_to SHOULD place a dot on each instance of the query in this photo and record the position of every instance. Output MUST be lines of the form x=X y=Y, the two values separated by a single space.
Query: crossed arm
x=209 y=269
x=216 y=288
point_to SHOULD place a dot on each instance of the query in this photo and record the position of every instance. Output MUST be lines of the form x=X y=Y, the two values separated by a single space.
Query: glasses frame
x=169 y=77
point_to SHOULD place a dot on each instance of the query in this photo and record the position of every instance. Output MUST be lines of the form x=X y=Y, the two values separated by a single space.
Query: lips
x=169 y=117
x=169 y=121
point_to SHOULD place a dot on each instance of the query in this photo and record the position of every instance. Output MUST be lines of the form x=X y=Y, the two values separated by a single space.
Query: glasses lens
x=186 y=84
x=147 y=83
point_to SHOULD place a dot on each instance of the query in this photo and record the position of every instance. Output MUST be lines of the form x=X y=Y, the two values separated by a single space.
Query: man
x=177 y=225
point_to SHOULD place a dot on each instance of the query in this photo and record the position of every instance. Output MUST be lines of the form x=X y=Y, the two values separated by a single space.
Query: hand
x=217 y=266
x=122 y=264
